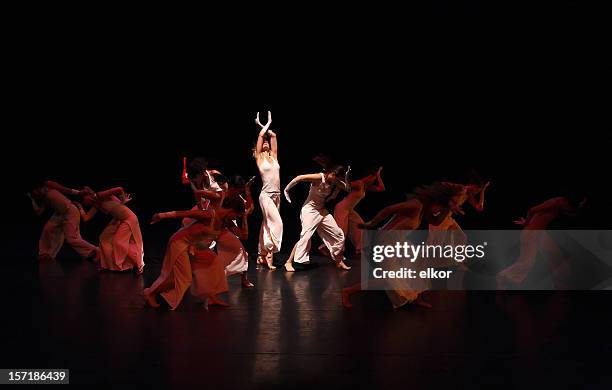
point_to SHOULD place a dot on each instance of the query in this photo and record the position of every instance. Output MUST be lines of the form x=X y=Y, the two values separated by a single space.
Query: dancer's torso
x=318 y=193
x=353 y=198
x=115 y=208
x=270 y=175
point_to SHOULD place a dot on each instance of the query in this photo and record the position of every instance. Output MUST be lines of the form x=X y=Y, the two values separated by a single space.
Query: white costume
x=315 y=217
x=271 y=232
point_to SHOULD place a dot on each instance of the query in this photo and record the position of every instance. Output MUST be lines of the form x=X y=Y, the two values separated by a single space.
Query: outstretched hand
x=127 y=198
x=521 y=221
x=287 y=196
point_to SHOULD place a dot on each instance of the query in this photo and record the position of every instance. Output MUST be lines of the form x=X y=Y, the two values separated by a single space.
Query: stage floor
x=291 y=330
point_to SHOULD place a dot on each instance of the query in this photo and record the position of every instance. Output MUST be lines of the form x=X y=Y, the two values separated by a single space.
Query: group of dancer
x=207 y=249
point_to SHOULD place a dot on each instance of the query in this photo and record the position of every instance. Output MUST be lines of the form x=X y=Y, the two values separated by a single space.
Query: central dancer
x=315 y=217
x=266 y=156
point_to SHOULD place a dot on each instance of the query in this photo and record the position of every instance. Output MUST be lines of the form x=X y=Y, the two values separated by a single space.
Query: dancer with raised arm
x=344 y=213
x=430 y=203
x=64 y=224
x=534 y=238
x=266 y=156
x=315 y=217
x=121 y=244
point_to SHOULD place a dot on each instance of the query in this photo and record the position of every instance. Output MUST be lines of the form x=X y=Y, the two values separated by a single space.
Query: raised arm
x=65 y=190
x=410 y=207
x=273 y=144
x=86 y=216
x=203 y=216
x=313 y=177
x=262 y=133
x=380 y=185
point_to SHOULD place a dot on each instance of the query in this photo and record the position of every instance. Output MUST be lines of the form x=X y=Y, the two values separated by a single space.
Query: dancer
x=266 y=156
x=430 y=203
x=64 y=224
x=121 y=245
x=189 y=257
x=534 y=237
x=315 y=217
x=344 y=213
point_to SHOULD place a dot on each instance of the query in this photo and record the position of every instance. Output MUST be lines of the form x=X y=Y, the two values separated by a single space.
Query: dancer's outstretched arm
x=312 y=177
x=65 y=190
x=409 y=207
x=38 y=209
x=380 y=185
x=203 y=216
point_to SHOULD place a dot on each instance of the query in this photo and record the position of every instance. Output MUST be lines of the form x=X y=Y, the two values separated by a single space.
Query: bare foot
x=215 y=301
x=342 y=266
x=346 y=298
x=289 y=267
x=269 y=261
x=151 y=301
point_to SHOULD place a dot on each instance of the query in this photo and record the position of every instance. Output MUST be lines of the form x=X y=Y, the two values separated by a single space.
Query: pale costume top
x=270 y=175
x=318 y=193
